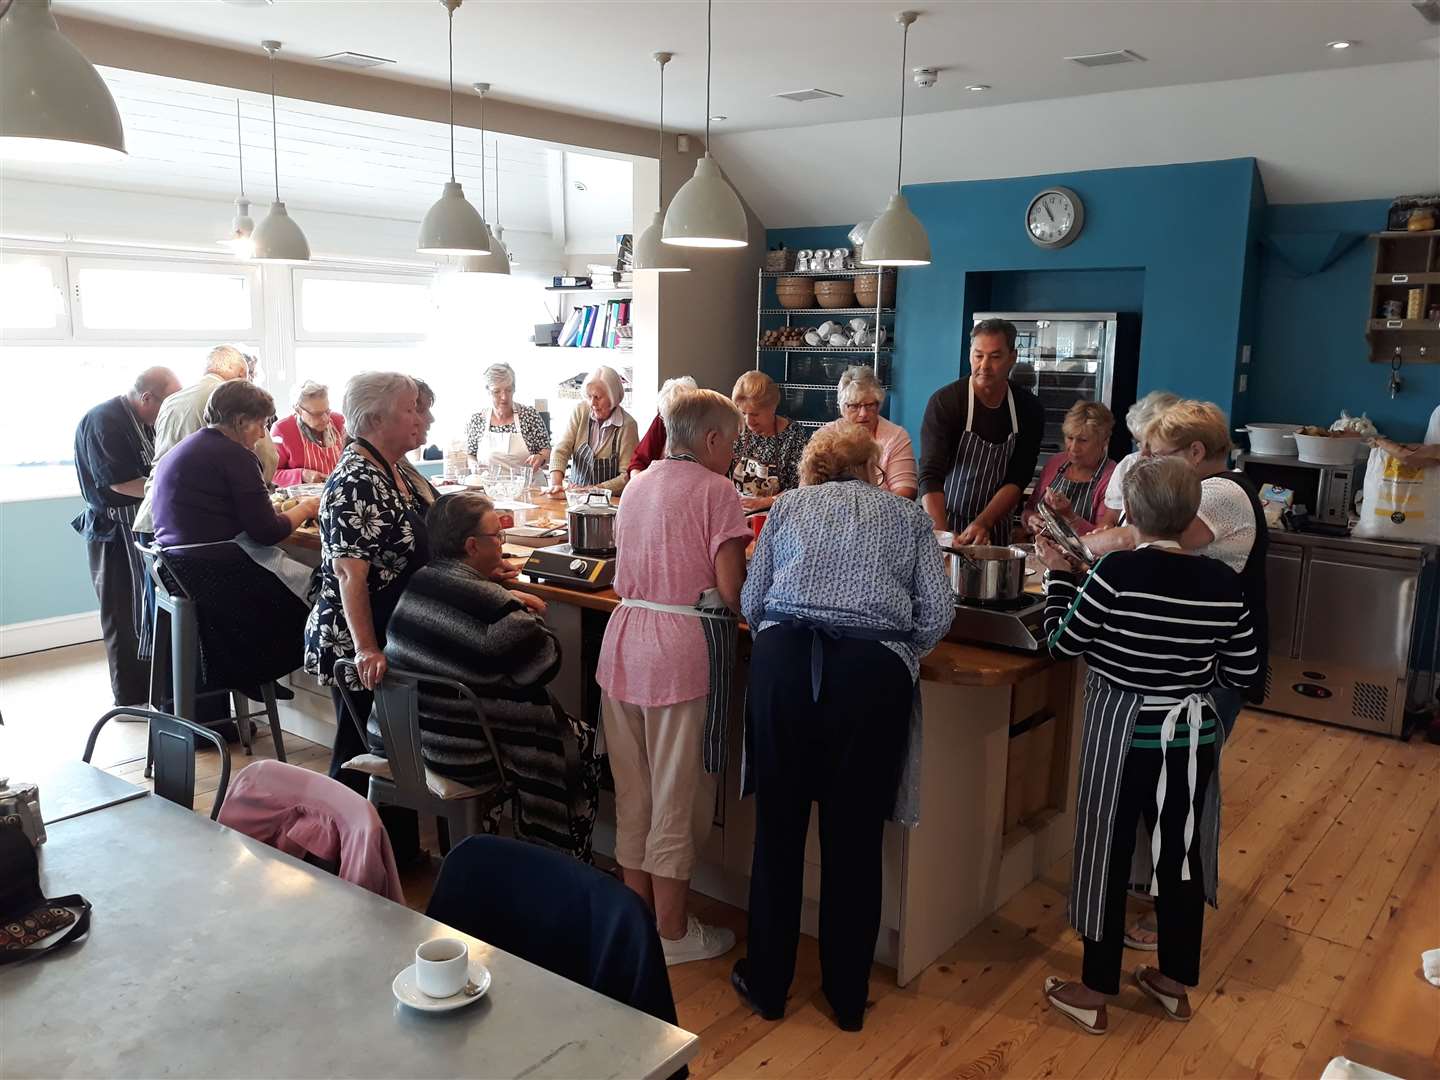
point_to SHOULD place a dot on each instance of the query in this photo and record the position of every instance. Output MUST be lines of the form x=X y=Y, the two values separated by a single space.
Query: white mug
x=442 y=967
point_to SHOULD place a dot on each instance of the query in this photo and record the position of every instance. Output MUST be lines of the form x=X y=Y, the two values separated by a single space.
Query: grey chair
x=397 y=715
x=179 y=651
x=173 y=742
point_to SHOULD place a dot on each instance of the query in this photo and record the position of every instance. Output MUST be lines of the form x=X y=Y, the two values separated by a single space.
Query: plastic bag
x=1400 y=502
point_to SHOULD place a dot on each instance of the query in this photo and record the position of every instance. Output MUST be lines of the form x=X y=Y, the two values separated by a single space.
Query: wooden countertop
x=955 y=663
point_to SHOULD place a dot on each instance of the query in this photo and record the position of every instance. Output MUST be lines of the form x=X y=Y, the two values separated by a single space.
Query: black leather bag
x=32 y=924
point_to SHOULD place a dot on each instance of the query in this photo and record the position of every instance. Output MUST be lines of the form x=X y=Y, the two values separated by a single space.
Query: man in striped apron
x=979 y=442
x=114 y=447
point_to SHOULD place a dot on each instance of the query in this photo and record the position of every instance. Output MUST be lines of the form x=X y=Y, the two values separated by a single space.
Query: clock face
x=1054 y=217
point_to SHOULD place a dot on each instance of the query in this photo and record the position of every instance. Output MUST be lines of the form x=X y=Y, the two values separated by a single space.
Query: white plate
x=407 y=993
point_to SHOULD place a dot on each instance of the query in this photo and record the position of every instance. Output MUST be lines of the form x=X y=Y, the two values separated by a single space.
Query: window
x=361 y=307
x=32 y=297
x=120 y=299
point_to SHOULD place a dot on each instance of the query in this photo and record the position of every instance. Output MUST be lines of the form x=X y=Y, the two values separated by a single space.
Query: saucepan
x=986 y=573
x=592 y=525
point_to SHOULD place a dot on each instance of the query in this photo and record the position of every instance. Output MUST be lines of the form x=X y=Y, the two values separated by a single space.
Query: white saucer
x=407 y=993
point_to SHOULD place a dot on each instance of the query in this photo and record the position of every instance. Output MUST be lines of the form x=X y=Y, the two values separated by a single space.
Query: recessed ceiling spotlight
x=718 y=119
x=1341 y=44
x=978 y=88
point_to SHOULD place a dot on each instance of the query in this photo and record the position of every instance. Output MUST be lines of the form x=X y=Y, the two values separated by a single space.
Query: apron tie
x=834 y=632
x=1192 y=706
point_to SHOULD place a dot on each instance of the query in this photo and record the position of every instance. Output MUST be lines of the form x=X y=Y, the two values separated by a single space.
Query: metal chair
x=397 y=715
x=172 y=741
x=181 y=651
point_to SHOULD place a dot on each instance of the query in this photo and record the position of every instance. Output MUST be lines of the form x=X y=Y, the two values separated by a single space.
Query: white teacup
x=442 y=966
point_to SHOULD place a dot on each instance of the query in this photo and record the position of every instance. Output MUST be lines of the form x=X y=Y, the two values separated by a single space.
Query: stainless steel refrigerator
x=1069 y=356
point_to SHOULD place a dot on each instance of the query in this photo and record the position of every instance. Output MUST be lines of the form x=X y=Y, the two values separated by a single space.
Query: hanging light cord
x=450 y=38
x=274 y=128
x=904 y=50
x=662 y=135
x=709 y=34
x=497 y=183
x=240 y=146
x=482 y=159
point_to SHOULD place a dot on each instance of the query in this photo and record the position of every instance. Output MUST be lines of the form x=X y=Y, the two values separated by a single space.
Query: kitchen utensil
x=986 y=574
x=1059 y=530
x=835 y=294
x=1271 y=440
x=1329 y=449
x=865 y=287
x=592 y=525
x=20 y=806
x=795 y=292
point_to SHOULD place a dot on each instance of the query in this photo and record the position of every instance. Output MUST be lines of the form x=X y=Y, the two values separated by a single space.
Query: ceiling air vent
x=354 y=60
x=1105 y=59
x=813 y=94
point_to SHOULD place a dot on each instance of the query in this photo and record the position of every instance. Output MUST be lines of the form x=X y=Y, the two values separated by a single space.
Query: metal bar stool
x=180 y=650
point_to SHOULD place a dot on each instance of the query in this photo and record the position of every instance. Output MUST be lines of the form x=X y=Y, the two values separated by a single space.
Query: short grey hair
x=694 y=413
x=609 y=378
x=669 y=389
x=308 y=391
x=1162 y=496
x=454 y=519
x=369 y=397
x=229 y=362
x=1143 y=413
x=499 y=375
x=856 y=381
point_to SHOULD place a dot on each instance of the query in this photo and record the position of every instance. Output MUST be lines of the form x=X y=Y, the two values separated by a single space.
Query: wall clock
x=1054 y=218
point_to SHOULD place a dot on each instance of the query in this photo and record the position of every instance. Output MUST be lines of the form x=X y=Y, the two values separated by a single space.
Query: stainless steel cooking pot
x=986 y=574
x=20 y=807
x=592 y=525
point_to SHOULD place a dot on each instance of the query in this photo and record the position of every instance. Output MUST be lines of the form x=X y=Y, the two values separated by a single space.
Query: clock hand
x=1047 y=211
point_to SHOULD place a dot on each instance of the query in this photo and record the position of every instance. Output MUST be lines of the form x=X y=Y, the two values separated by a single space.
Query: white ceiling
x=181 y=139
x=592 y=57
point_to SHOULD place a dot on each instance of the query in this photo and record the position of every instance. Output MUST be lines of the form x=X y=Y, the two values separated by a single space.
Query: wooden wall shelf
x=1405 y=263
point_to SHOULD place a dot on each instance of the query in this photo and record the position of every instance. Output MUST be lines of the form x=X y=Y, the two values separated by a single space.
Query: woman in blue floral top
x=372 y=539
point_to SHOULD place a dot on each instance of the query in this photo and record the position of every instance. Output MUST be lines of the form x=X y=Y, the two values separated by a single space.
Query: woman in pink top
x=309 y=441
x=681 y=538
x=1073 y=481
x=861 y=394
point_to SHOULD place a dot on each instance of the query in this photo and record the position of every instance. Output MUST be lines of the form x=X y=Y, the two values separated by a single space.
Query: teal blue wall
x=43 y=569
x=1310 y=351
x=1177 y=237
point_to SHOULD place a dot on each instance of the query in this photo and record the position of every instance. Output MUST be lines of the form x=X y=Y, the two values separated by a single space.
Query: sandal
x=1177 y=1008
x=1094 y=1021
x=1146 y=924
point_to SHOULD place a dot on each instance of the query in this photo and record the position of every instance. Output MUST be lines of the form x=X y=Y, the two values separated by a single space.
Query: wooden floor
x=1327 y=836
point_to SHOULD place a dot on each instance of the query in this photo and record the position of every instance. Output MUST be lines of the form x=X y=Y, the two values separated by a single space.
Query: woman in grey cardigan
x=453 y=620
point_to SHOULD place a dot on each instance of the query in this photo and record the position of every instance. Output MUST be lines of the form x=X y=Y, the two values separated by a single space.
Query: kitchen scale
x=1013 y=624
x=560 y=565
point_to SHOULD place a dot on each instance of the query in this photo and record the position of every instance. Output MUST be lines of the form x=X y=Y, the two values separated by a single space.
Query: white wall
x=1356 y=133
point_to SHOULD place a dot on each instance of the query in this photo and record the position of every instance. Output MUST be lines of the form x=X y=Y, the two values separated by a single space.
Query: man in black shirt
x=113 y=448
x=979 y=442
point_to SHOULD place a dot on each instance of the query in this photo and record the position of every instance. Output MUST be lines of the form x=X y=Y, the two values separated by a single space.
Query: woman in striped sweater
x=1159 y=629
x=455 y=620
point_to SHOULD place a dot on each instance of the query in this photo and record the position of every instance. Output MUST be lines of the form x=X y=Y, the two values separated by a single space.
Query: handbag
x=27 y=916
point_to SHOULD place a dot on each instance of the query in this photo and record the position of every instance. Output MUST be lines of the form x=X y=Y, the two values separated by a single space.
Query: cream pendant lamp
x=453 y=226
x=53 y=104
x=706 y=212
x=277 y=238
x=497 y=259
x=651 y=253
x=896 y=237
x=243 y=225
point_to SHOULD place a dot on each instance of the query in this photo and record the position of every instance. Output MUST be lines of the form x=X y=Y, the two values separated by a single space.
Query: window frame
x=82 y=333
x=59 y=274
x=300 y=275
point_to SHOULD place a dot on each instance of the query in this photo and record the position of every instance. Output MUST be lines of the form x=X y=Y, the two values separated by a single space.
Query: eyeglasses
x=498 y=537
x=861 y=406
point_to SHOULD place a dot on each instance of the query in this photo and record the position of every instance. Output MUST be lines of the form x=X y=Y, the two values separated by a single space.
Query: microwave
x=1327 y=491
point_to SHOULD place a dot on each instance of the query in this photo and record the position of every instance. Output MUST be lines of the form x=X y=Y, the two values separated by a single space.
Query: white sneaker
x=700 y=942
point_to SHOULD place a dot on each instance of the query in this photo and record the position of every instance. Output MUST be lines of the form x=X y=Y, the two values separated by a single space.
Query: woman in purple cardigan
x=216 y=526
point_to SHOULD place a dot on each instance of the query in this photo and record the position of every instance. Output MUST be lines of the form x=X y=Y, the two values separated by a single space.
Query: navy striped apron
x=979 y=472
x=586 y=468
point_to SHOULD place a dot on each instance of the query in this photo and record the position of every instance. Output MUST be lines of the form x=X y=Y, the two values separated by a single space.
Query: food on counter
x=783 y=337
x=283 y=502
x=1353 y=425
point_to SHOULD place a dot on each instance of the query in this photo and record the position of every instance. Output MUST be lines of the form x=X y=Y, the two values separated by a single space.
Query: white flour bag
x=1401 y=502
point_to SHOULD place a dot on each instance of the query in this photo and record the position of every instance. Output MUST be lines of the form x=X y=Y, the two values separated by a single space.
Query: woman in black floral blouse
x=372 y=539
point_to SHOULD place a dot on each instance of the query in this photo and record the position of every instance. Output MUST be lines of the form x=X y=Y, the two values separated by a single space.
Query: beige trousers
x=664 y=798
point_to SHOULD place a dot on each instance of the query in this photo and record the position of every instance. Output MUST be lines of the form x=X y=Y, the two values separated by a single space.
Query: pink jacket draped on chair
x=300 y=811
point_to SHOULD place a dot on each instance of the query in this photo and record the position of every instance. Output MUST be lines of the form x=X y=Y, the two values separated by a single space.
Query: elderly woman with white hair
x=652 y=446
x=861 y=395
x=372 y=539
x=309 y=440
x=507 y=434
x=599 y=440
x=1137 y=418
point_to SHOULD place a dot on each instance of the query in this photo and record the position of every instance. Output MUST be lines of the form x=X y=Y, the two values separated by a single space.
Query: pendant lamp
x=53 y=104
x=896 y=237
x=497 y=259
x=243 y=224
x=651 y=253
x=706 y=212
x=277 y=238
x=453 y=226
